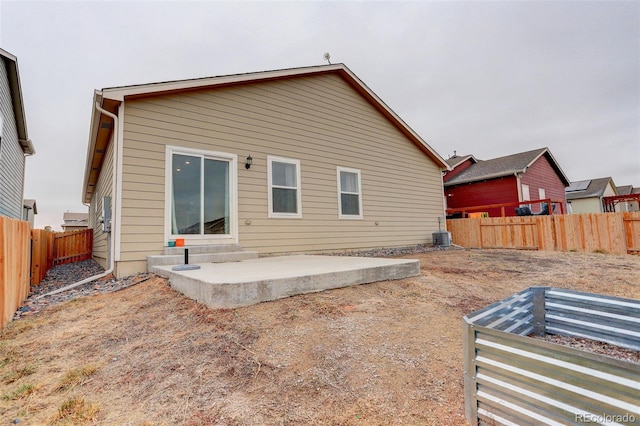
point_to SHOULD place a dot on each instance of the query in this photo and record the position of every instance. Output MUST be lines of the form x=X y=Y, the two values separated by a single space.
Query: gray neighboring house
x=15 y=144
x=585 y=196
x=75 y=221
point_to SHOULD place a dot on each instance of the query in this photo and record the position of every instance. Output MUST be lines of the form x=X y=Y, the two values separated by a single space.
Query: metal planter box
x=513 y=379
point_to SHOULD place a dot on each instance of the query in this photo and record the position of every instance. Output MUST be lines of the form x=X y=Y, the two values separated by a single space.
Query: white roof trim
x=119 y=93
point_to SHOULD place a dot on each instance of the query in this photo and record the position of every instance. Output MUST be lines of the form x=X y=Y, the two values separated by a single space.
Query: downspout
x=113 y=204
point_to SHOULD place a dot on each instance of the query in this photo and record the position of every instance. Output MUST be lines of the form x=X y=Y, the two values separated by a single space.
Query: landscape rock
x=64 y=275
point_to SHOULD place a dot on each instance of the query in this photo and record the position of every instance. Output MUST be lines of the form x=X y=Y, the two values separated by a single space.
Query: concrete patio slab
x=230 y=285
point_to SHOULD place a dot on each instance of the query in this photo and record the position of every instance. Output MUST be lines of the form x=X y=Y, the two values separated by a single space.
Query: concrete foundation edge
x=236 y=295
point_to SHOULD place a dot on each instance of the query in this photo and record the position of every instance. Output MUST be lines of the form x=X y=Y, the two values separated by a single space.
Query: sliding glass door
x=200 y=195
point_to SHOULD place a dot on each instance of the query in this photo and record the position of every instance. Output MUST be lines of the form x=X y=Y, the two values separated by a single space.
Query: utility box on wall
x=106 y=214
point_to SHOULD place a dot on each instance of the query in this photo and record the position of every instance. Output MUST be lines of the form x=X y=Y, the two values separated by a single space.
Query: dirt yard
x=382 y=353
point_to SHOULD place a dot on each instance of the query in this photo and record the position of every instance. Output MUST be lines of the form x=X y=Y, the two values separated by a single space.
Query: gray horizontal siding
x=12 y=160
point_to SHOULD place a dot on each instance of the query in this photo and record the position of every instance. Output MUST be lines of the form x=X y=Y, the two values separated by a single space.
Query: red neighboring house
x=532 y=175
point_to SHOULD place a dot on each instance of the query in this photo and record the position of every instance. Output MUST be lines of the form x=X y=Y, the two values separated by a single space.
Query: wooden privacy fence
x=14 y=266
x=26 y=256
x=58 y=248
x=617 y=233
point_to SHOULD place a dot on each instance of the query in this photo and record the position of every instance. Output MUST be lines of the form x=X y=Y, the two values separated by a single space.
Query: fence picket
x=632 y=231
x=26 y=256
x=14 y=266
x=58 y=248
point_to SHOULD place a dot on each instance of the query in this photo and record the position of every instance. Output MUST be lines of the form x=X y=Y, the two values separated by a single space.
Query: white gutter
x=113 y=204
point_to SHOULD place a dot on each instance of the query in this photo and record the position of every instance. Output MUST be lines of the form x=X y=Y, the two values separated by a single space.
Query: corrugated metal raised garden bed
x=513 y=379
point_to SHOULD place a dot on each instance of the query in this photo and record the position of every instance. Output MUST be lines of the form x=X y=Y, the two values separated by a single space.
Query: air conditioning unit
x=441 y=238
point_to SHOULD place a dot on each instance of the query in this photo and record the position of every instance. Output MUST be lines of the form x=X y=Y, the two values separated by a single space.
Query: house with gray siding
x=15 y=145
x=302 y=160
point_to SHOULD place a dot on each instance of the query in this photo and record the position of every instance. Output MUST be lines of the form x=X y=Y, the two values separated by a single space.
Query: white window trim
x=272 y=214
x=232 y=237
x=526 y=195
x=349 y=216
x=542 y=194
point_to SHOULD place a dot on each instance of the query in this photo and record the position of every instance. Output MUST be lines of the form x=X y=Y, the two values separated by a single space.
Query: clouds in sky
x=486 y=78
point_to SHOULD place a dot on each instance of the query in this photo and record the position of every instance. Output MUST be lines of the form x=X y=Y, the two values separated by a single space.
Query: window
x=542 y=194
x=284 y=187
x=526 y=196
x=349 y=194
x=525 y=193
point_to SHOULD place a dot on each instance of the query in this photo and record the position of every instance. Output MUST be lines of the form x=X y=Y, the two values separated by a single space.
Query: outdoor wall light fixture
x=249 y=162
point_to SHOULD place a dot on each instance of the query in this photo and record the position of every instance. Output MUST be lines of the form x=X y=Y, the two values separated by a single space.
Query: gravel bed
x=396 y=251
x=64 y=275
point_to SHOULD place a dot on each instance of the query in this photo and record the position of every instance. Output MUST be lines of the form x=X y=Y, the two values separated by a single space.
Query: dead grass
x=382 y=353
x=75 y=411
x=20 y=392
x=76 y=376
x=14 y=375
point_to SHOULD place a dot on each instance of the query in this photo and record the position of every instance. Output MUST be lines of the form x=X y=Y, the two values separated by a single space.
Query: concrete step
x=199 y=258
x=218 y=248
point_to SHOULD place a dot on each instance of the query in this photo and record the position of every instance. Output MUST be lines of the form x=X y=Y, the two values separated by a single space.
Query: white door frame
x=203 y=239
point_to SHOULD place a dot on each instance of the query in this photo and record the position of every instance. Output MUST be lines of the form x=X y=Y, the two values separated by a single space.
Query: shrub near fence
x=617 y=233
x=14 y=266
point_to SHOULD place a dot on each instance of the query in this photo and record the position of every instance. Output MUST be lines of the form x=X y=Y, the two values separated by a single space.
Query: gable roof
x=624 y=190
x=456 y=160
x=506 y=166
x=592 y=188
x=11 y=62
x=110 y=99
x=75 y=219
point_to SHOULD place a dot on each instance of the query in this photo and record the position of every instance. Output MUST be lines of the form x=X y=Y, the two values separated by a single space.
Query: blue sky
x=482 y=78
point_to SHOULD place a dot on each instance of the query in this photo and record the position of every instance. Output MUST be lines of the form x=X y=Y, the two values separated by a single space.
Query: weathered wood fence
x=15 y=245
x=617 y=233
x=58 y=248
x=26 y=256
